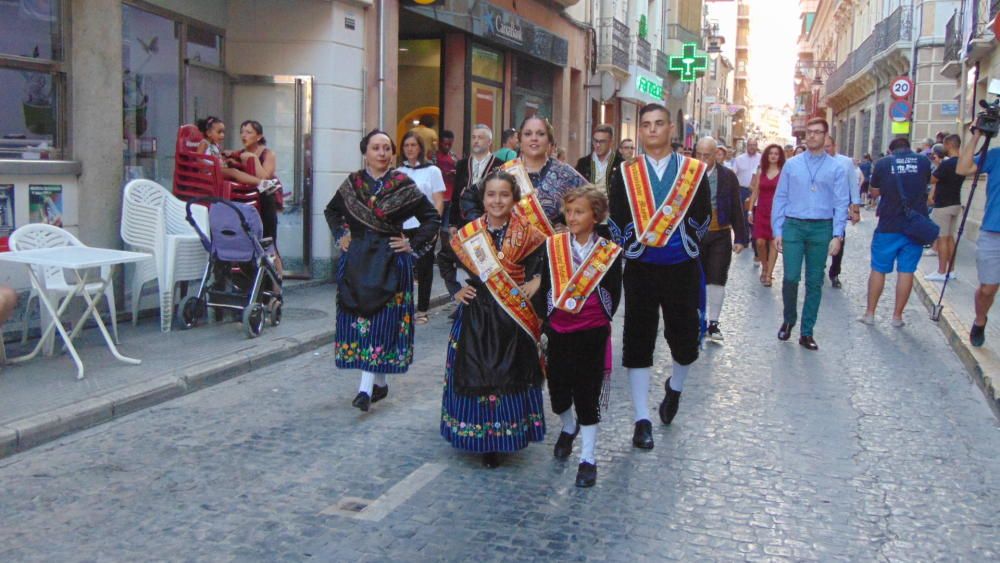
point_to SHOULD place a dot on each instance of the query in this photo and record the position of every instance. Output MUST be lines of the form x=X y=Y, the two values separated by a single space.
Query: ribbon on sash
x=528 y=207
x=474 y=247
x=571 y=287
x=653 y=226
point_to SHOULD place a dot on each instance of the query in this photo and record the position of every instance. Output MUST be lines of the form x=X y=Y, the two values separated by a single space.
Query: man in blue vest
x=664 y=278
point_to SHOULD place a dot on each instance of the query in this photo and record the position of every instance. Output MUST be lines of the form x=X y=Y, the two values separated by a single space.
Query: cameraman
x=988 y=245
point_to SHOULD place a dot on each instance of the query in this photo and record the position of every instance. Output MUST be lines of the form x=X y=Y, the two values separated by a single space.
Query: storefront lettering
x=648 y=87
x=510 y=30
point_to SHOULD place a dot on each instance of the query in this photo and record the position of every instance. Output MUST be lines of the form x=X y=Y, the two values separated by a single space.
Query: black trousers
x=717 y=255
x=650 y=289
x=838 y=258
x=423 y=274
x=576 y=372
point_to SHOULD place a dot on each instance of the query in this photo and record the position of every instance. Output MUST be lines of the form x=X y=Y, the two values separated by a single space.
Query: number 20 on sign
x=901 y=88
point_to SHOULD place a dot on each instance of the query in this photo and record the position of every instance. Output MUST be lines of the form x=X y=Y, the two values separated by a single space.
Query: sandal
x=421 y=318
x=768 y=281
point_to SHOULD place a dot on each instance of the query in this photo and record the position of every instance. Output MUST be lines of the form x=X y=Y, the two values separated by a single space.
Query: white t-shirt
x=745 y=166
x=428 y=180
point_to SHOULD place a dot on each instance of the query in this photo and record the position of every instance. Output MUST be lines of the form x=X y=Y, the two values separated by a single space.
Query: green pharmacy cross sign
x=689 y=65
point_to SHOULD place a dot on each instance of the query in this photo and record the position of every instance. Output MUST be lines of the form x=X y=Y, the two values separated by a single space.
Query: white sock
x=381 y=380
x=568 y=421
x=678 y=376
x=638 y=379
x=367 y=380
x=589 y=435
x=716 y=295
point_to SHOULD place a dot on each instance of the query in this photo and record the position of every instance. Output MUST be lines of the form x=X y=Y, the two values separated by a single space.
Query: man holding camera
x=988 y=245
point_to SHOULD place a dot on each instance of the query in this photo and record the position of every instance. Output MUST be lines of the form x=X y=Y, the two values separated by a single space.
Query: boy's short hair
x=595 y=197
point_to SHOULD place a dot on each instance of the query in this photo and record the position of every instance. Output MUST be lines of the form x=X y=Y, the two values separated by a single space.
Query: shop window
x=532 y=93
x=487 y=64
x=32 y=100
x=420 y=84
x=486 y=90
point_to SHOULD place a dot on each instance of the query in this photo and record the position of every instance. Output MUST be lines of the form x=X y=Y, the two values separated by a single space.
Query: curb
x=985 y=371
x=25 y=433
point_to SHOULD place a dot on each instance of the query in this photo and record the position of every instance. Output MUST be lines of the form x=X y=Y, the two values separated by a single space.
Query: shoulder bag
x=917 y=226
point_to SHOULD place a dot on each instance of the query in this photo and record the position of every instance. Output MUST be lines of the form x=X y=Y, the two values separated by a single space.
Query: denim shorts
x=988 y=257
x=889 y=248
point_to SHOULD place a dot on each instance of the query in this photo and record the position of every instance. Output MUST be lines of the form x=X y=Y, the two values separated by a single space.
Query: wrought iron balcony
x=677 y=32
x=662 y=64
x=897 y=27
x=612 y=45
x=643 y=53
x=952 y=38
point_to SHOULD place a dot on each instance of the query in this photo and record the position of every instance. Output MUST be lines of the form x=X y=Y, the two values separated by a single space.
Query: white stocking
x=639 y=381
x=678 y=376
x=367 y=380
x=568 y=421
x=589 y=435
x=381 y=380
x=716 y=295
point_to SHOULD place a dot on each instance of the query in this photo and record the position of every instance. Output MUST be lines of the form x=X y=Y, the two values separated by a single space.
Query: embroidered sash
x=528 y=207
x=572 y=286
x=654 y=226
x=474 y=247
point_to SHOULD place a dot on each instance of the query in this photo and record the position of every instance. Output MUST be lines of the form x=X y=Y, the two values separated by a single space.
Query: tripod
x=980 y=159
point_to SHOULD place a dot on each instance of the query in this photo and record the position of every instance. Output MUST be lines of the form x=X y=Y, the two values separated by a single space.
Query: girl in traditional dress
x=375 y=271
x=492 y=399
x=581 y=285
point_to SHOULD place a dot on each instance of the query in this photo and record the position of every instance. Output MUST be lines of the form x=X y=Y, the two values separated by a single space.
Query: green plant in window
x=643 y=29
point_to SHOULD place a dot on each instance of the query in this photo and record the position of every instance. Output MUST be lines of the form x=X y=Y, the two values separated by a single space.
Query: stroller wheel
x=189 y=311
x=274 y=312
x=253 y=320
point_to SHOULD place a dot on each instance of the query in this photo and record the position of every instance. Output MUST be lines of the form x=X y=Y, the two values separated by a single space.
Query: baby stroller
x=240 y=274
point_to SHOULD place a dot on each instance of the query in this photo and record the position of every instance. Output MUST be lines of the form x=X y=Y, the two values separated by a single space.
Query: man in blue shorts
x=988 y=244
x=901 y=174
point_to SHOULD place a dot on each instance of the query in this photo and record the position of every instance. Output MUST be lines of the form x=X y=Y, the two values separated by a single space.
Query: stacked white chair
x=53 y=280
x=153 y=221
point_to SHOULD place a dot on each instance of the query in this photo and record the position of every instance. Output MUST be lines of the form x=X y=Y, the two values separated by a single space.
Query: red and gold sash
x=653 y=226
x=571 y=287
x=474 y=247
x=528 y=207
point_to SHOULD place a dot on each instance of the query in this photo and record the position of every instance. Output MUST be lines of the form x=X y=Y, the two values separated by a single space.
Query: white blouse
x=429 y=180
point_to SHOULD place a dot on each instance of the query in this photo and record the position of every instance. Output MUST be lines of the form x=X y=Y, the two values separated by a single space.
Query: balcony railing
x=952 y=38
x=662 y=64
x=680 y=33
x=613 y=44
x=896 y=27
x=643 y=53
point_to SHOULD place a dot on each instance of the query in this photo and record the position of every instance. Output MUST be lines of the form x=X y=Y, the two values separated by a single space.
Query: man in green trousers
x=808 y=220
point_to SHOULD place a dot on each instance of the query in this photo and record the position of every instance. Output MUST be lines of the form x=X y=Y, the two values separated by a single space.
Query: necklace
x=498 y=235
x=812 y=175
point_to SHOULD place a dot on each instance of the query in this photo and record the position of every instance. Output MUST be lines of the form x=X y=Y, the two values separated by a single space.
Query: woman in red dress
x=763 y=186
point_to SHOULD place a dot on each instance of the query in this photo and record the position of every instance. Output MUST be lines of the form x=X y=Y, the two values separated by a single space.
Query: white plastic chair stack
x=153 y=221
x=38 y=235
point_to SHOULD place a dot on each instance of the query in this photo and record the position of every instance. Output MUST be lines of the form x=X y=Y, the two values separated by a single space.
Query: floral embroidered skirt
x=488 y=423
x=382 y=343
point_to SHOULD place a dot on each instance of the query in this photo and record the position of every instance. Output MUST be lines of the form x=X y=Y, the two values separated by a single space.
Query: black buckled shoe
x=785 y=332
x=586 y=475
x=564 y=445
x=808 y=343
x=379 y=392
x=362 y=401
x=671 y=402
x=642 y=438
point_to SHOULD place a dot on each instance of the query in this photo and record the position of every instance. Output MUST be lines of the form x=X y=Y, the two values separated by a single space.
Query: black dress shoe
x=785 y=332
x=808 y=343
x=362 y=401
x=643 y=436
x=835 y=282
x=671 y=402
x=379 y=392
x=564 y=445
x=491 y=460
x=586 y=475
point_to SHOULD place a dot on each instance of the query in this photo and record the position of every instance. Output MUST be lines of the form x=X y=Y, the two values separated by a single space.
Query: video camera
x=988 y=120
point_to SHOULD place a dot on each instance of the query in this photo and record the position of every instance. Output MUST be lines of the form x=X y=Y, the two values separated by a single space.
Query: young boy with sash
x=671 y=207
x=492 y=399
x=581 y=288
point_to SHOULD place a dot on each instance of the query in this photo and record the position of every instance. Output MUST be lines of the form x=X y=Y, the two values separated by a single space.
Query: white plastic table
x=82 y=261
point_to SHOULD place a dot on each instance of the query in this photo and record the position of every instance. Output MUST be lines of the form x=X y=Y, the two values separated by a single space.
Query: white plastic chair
x=153 y=221
x=39 y=235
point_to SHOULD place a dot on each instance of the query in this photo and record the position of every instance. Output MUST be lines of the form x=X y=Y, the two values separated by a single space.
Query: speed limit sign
x=901 y=88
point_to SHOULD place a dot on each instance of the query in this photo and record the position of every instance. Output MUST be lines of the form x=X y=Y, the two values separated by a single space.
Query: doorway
x=283 y=106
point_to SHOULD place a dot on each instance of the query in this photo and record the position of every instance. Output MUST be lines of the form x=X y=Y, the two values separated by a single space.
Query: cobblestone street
x=877 y=447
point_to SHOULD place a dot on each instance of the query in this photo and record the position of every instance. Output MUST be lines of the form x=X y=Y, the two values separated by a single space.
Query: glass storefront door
x=486 y=90
x=419 y=84
x=283 y=106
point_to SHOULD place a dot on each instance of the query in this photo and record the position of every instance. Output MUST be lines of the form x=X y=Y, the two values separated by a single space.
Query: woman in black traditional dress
x=375 y=270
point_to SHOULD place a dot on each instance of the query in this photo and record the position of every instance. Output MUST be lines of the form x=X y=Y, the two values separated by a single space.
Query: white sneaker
x=898 y=323
x=867 y=319
x=930 y=252
x=935 y=276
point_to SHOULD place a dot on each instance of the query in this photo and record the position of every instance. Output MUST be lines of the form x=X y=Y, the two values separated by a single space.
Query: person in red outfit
x=763 y=186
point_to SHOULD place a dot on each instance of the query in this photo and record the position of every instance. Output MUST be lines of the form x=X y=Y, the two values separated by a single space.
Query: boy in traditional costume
x=492 y=401
x=581 y=288
x=671 y=206
x=375 y=271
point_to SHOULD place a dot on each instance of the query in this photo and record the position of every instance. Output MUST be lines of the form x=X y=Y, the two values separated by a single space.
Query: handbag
x=917 y=226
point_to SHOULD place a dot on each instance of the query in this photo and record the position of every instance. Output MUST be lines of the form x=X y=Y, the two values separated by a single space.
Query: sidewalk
x=41 y=399
x=956 y=319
